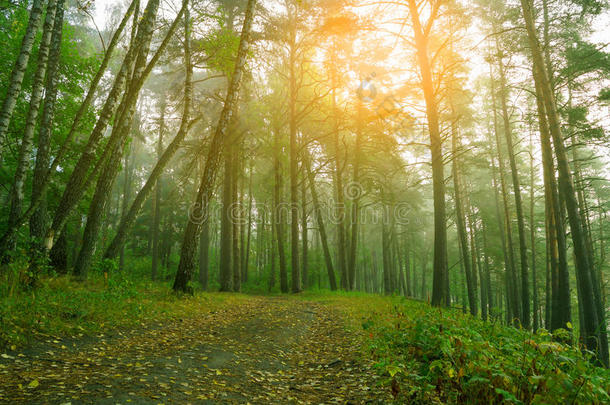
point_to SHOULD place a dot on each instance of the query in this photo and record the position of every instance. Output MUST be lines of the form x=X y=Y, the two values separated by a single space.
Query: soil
x=267 y=350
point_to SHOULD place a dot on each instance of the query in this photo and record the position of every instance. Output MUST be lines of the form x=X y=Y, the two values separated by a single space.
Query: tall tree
x=460 y=221
x=7 y=240
x=278 y=210
x=524 y=292
x=17 y=189
x=118 y=138
x=21 y=63
x=38 y=221
x=295 y=286
x=157 y=198
x=589 y=294
x=320 y=221
x=421 y=34
x=193 y=227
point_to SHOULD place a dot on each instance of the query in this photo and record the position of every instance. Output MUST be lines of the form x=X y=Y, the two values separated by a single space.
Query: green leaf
x=393 y=370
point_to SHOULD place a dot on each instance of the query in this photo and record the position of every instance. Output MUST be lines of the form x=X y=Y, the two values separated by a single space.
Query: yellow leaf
x=218 y=372
x=569 y=325
x=451 y=372
x=33 y=384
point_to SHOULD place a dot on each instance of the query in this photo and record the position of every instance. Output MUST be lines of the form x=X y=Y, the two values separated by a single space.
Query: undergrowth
x=61 y=306
x=426 y=355
x=429 y=355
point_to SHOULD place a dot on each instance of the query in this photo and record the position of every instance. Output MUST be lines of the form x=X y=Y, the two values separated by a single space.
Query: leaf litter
x=259 y=350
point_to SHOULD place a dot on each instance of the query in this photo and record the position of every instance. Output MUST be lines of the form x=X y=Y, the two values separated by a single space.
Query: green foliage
x=14 y=274
x=61 y=306
x=221 y=48
x=454 y=358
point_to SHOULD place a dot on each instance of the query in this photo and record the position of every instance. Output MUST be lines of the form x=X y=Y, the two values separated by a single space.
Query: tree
x=421 y=32
x=17 y=190
x=16 y=218
x=38 y=221
x=524 y=292
x=187 y=254
x=116 y=143
x=21 y=63
x=589 y=295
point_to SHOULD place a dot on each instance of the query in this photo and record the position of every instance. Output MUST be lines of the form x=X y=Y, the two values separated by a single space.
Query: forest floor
x=124 y=341
x=256 y=349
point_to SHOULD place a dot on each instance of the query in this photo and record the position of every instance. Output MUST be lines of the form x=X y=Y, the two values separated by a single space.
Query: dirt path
x=267 y=350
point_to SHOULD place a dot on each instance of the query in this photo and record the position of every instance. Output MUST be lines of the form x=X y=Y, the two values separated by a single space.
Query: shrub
x=443 y=355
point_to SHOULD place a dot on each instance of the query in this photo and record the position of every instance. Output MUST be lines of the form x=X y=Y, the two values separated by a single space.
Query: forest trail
x=261 y=350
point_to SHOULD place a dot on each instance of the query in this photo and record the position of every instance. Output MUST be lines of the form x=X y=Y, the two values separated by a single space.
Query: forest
x=304 y=201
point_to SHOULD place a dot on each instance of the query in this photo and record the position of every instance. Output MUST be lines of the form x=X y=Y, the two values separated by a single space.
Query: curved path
x=266 y=350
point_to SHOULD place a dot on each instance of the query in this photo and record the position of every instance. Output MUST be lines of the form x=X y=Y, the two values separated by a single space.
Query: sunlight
x=288 y=201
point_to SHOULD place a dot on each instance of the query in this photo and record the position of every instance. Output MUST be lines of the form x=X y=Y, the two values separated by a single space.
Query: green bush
x=450 y=357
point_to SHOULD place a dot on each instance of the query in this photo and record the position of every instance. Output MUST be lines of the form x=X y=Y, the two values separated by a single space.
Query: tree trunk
x=424 y=264
x=38 y=221
x=273 y=239
x=157 y=200
x=58 y=257
x=294 y=196
x=304 y=230
x=489 y=295
x=525 y=296
x=204 y=251
x=338 y=182
x=512 y=284
x=193 y=226
x=21 y=63
x=594 y=319
x=18 y=221
x=584 y=217
x=461 y=224
x=226 y=226
x=401 y=273
x=320 y=221
x=246 y=251
x=127 y=186
x=261 y=246
x=17 y=189
x=355 y=190
x=408 y=266
x=385 y=250
x=475 y=257
x=535 y=306
x=558 y=308
x=440 y=277
x=81 y=176
x=115 y=150
x=235 y=215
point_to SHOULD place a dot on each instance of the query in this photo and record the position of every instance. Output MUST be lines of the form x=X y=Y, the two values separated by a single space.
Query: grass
x=427 y=355
x=60 y=306
x=431 y=355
